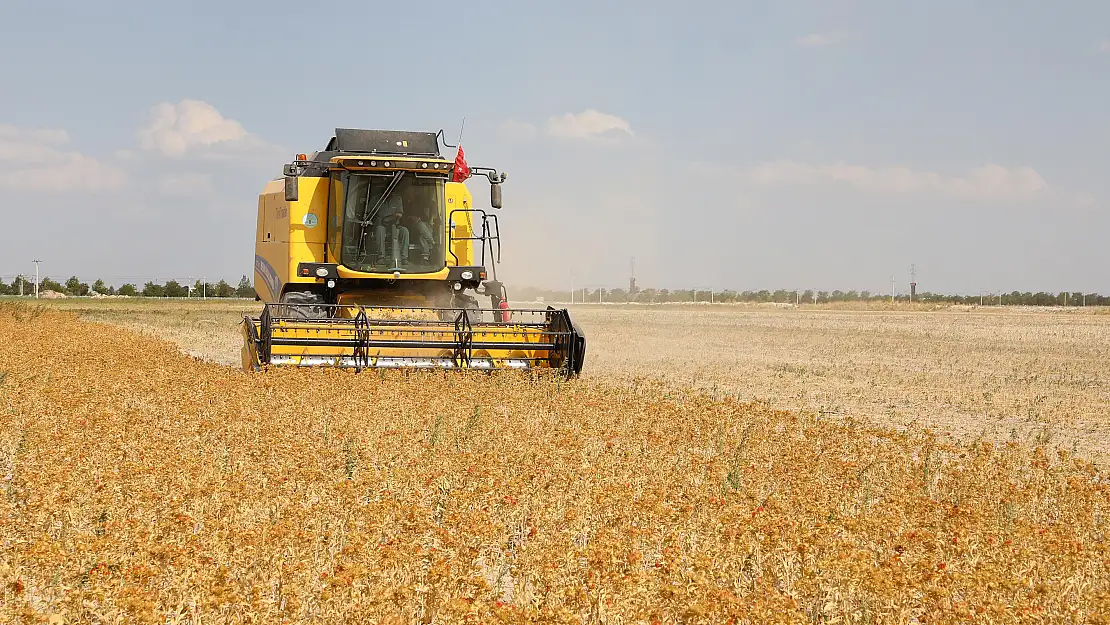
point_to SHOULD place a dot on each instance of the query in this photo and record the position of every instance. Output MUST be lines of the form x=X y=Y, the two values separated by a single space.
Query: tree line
x=789 y=296
x=75 y=287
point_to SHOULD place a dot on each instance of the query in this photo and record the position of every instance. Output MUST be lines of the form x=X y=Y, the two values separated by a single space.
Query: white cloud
x=185 y=184
x=174 y=129
x=37 y=160
x=52 y=136
x=589 y=124
x=988 y=182
x=822 y=39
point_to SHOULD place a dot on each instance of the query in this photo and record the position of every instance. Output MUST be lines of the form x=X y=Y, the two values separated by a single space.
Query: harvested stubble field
x=142 y=485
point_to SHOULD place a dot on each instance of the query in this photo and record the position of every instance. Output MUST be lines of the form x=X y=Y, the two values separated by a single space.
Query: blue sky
x=732 y=145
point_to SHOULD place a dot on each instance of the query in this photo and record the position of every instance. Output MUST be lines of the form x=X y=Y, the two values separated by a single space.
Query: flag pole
x=461 y=127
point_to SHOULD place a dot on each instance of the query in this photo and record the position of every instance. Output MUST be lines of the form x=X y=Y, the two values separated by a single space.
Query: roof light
x=423 y=165
x=373 y=163
x=302 y=157
x=386 y=163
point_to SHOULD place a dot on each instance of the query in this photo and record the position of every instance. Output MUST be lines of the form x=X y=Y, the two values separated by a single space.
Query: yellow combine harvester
x=365 y=253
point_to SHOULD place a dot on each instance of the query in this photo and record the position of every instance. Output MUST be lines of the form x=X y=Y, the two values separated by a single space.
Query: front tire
x=470 y=306
x=309 y=305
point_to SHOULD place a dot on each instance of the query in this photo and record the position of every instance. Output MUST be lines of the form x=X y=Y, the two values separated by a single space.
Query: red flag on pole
x=462 y=172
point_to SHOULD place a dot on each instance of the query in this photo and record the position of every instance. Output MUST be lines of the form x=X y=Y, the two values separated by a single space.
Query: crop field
x=999 y=374
x=140 y=484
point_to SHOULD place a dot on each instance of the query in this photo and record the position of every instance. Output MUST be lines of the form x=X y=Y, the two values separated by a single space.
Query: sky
x=728 y=145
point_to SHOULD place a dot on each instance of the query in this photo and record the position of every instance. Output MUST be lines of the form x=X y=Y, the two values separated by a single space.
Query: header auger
x=365 y=253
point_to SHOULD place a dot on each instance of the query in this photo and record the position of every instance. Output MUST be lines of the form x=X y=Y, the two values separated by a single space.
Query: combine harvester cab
x=365 y=254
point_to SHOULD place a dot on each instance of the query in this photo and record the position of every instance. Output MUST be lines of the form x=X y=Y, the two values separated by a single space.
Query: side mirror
x=291 y=188
x=495 y=195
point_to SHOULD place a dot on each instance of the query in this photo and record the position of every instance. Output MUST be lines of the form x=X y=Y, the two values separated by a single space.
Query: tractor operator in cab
x=389 y=222
x=424 y=237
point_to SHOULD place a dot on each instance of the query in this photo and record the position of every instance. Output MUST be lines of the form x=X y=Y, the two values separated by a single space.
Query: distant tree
x=111 y=290
x=5 y=289
x=46 y=284
x=128 y=290
x=76 y=287
x=151 y=289
x=223 y=289
x=245 y=288
x=21 y=281
x=98 y=287
x=174 y=289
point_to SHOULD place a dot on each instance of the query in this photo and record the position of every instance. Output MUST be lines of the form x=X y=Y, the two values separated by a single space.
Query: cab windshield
x=393 y=222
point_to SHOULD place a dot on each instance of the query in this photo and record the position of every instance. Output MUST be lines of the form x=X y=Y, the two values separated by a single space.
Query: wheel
x=309 y=305
x=473 y=310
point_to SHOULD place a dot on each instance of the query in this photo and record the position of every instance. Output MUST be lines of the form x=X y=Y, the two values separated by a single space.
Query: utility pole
x=36 y=277
x=913 y=281
x=891 y=289
x=203 y=287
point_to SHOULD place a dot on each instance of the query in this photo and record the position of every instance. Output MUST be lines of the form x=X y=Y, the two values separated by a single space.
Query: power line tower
x=36 y=277
x=913 y=281
x=632 y=277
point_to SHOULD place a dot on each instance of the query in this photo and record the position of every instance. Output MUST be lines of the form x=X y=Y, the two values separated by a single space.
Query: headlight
x=322 y=271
